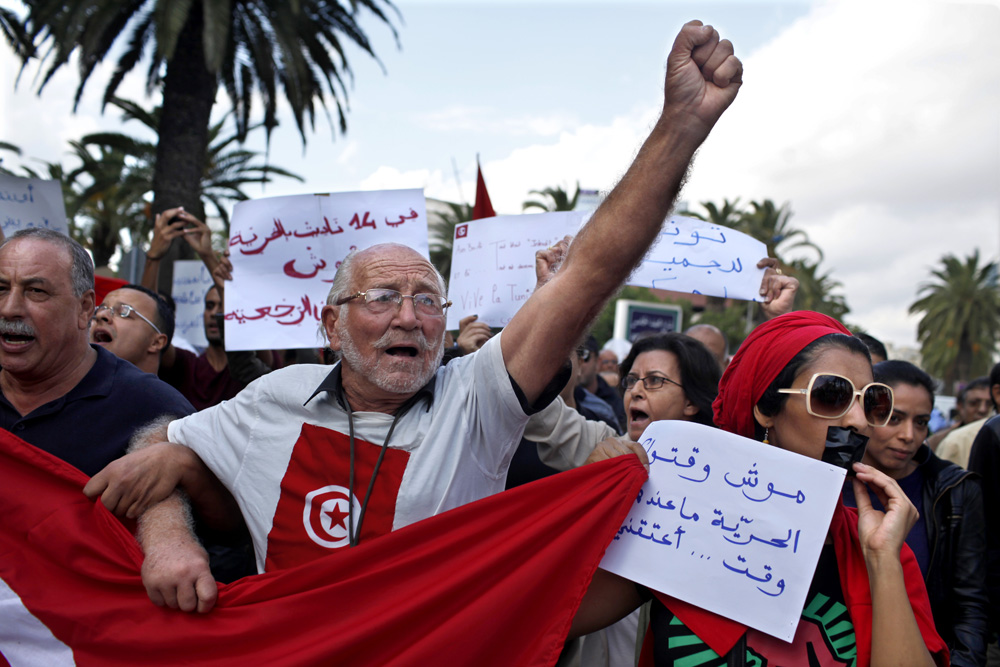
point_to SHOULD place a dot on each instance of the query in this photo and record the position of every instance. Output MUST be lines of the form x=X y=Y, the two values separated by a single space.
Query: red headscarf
x=761 y=357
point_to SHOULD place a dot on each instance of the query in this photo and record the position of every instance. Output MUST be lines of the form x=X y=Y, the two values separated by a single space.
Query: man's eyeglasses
x=830 y=396
x=584 y=354
x=650 y=382
x=380 y=301
x=125 y=311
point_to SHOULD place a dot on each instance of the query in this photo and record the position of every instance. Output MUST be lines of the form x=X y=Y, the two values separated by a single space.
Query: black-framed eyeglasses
x=124 y=311
x=381 y=300
x=650 y=382
x=584 y=354
x=830 y=396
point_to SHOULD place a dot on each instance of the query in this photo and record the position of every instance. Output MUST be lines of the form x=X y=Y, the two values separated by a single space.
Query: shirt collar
x=333 y=384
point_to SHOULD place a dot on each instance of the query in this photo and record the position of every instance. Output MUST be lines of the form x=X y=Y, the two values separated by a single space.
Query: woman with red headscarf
x=792 y=378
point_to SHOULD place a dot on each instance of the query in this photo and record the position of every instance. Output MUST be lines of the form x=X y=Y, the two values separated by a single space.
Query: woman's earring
x=766 y=441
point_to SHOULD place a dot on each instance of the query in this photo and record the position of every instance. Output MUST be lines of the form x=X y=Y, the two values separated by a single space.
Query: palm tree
x=558 y=199
x=727 y=216
x=441 y=230
x=227 y=170
x=816 y=290
x=248 y=47
x=770 y=225
x=961 y=315
x=106 y=190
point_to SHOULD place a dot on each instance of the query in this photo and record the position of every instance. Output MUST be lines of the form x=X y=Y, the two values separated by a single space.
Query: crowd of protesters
x=216 y=452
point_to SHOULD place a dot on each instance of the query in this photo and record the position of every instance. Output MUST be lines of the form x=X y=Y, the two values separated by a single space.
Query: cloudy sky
x=876 y=121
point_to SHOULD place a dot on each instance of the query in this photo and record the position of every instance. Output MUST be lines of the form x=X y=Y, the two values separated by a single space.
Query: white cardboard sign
x=493 y=262
x=728 y=524
x=31 y=202
x=191 y=282
x=286 y=250
x=696 y=256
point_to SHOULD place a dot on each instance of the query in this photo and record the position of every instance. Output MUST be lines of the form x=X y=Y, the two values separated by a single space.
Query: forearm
x=167 y=525
x=175 y=570
x=546 y=329
x=608 y=599
x=627 y=223
x=896 y=638
x=246 y=366
x=151 y=274
x=565 y=438
x=213 y=502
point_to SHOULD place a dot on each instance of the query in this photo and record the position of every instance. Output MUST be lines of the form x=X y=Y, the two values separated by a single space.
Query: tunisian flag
x=494 y=582
x=483 y=208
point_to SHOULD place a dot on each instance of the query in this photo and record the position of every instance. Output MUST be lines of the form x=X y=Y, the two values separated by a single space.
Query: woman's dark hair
x=895 y=372
x=699 y=370
x=771 y=402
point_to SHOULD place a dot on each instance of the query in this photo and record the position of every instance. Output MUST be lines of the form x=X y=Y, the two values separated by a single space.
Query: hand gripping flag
x=495 y=582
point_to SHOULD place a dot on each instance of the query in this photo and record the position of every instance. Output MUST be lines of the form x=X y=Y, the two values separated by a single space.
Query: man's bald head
x=712 y=338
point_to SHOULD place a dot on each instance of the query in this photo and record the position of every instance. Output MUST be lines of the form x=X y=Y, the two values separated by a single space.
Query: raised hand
x=778 y=290
x=703 y=76
x=472 y=334
x=548 y=261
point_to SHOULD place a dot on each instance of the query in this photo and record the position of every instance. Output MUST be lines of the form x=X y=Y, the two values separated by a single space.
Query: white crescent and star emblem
x=325 y=516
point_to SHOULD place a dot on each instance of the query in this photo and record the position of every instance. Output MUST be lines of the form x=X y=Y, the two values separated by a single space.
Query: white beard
x=383 y=378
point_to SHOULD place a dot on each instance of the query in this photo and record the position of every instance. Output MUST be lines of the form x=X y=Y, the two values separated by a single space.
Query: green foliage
x=771 y=225
x=556 y=199
x=960 y=319
x=107 y=192
x=253 y=48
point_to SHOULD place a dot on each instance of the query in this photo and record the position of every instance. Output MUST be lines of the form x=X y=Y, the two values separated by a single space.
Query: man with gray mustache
x=319 y=460
x=59 y=393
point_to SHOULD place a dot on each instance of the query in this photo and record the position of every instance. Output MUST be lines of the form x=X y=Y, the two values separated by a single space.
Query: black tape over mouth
x=844 y=447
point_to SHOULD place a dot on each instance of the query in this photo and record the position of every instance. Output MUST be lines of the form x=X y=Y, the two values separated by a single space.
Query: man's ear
x=766 y=422
x=88 y=302
x=995 y=393
x=328 y=316
x=157 y=345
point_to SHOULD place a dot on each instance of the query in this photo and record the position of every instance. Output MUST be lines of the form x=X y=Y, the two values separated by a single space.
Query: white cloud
x=434 y=182
x=43 y=124
x=596 y=156
x=492 y=121
x=878 y=123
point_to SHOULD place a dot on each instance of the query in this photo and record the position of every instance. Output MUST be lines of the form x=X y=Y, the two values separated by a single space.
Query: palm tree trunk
x=188 y=95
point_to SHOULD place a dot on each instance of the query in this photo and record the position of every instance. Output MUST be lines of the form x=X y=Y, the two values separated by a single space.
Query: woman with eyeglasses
x=793 y=378
x=948 y=539
x=668 y=376
x=664 y=376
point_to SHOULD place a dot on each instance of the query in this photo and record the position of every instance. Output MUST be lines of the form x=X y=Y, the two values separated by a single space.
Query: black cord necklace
x=355 y=538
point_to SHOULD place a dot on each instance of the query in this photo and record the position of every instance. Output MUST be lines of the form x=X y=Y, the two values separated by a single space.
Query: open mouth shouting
x=100 y=335
x=638 y=420
x=402 y=351
x=15 y=333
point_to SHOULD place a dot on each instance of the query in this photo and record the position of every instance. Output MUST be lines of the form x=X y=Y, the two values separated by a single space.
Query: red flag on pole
x=492 y=583
x=483 y=208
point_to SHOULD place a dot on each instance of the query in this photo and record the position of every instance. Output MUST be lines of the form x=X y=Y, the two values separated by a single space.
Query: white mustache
x=16 y=327
x=392 y=338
